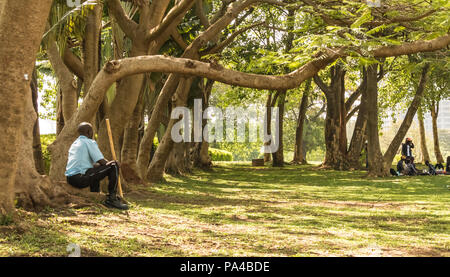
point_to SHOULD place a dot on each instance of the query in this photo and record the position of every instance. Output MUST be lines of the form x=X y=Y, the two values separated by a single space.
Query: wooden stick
x=111 y=143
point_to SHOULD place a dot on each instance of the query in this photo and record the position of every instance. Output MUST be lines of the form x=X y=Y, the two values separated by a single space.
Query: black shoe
x=114 y=202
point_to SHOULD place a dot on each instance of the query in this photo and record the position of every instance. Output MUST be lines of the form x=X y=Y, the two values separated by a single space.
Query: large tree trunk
x=130 y=144
x=423 y=140
x=178 y=162
x=335 y=120
x=299 y=158
x=376 y=163
x=33 y=190
x=434 y=117
x=154 y=122
x=22 y=24
x=407 y=121
x=278 y=155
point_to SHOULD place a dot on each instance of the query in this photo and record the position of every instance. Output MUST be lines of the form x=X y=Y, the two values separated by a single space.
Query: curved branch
x=321 y=84
x=74 y=63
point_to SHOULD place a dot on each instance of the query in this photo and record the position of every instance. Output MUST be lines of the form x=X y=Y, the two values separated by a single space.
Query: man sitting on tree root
x=86 y=166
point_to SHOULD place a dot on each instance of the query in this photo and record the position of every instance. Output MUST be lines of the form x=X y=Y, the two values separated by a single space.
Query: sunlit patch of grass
x=239 y=210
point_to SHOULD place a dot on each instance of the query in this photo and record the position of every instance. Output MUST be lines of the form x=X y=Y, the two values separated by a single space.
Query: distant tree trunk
x=376 y=162
x=201 y=156
x=423 y=140
x=130 y=144
x=358 y=137
x=278 y=156
x=407 y=121
x=434 y=117
x=268 y=129
x=299 y=158
x=37 y=148
x=155 y=171
x=68 y=88
x=335 y=120
x=22 y=24
x=154 y=123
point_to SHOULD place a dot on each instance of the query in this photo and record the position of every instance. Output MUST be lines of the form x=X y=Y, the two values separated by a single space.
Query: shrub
x=220 y=155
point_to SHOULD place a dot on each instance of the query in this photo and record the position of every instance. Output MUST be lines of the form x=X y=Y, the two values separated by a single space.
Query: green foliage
x=220 y=155
x=241 y=151
x=46 y=140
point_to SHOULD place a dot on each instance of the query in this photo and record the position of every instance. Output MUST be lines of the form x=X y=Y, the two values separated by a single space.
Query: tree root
x=40 y=193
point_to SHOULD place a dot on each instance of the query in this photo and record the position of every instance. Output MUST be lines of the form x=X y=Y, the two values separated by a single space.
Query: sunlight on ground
x=239 y=210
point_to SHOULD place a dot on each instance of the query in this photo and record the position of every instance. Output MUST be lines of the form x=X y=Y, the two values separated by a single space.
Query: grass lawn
x=239 y=210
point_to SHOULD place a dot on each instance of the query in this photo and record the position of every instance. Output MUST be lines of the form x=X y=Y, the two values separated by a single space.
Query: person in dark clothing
x=401 y=165
x=431 y=168
x=407 y=148
x=439 y=166
x=86 y=167
x=410 y=168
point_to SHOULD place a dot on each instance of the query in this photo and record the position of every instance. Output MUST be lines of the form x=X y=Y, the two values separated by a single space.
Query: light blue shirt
x=83 y=153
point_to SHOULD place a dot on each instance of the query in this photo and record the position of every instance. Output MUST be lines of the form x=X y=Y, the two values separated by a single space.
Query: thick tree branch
x=201 y=14
x=227 y=41
x=73 y=63
x=352 y=113
x=127 y=25
x=413 y=47
x=321 y=84
x=181 y=8
x=178 y=39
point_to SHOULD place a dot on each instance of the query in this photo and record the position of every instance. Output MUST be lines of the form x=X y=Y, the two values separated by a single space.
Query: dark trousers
x=93 y=176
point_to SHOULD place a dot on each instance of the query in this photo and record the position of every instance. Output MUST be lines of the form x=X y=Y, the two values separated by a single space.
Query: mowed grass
x=239 y=210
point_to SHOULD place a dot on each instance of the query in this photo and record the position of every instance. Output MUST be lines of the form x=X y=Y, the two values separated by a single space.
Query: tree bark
x=201 y=158
x=153 y=124
x=335 y=121
x=130 y=143
x=22 y=24
x=268 y=127
x=423 y=140
x=376 y=163
x=298 y=148
x=434 y=117
x=37 y=148
x=67 y=84
x=357 y=141
x=278 y=156
x=155 y=171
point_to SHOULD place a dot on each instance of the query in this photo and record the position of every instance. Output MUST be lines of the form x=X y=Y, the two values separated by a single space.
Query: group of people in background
x=406 y=165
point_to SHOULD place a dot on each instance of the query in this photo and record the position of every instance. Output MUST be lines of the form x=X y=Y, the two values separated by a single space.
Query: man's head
x=408 y=140
x=85 y=129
